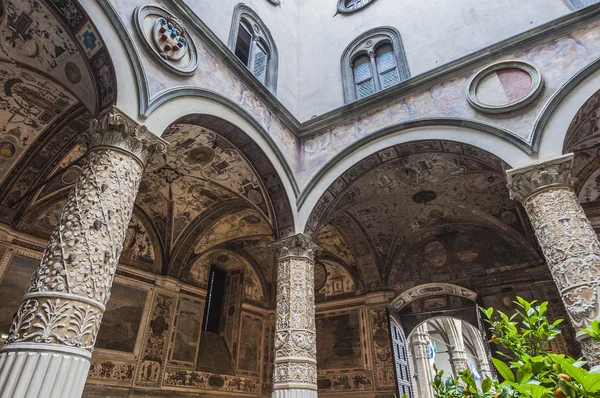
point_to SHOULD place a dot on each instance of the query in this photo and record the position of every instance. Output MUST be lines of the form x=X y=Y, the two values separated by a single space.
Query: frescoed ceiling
x=206 y=194
x=55 y=74
x=422 y=212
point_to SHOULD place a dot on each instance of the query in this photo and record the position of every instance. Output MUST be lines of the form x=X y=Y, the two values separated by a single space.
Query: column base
x=42 y=371
x=294 y=393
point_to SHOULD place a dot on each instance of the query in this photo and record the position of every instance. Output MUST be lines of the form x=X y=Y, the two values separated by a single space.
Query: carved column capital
x=296 y=246
x=523 y=182
x=114 y=129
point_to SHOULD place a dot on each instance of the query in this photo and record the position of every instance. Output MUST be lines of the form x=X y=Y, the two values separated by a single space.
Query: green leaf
x=503 y=369
x=524 y=373
x=589 y=382
x=486 y=385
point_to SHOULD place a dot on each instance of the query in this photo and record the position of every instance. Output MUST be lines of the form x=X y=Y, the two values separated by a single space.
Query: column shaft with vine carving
x=54 y=331
x=567 y=239
x=295 y=374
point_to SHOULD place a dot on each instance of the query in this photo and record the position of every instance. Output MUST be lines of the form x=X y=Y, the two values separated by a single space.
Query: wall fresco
x=383 y=361
x=187 y=331
x=339 y=344
x=207 y=381
x=558 y=60
x=250 y=345
x=108 y=370
x=121 y=320
x=215 y=76
x=15 y=283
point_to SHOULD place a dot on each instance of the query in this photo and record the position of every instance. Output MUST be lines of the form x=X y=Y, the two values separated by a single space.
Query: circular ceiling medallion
x=320 y=276
x=424 y=197
x=200 y=155
x=255 y=197
x=252 y=219
x=73 y=72
x=504 y=87
x=166 y=38
x=435 y=253
x=7 y=150
x=70 y=176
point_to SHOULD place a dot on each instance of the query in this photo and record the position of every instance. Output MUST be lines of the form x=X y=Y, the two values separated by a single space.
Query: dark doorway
x=214 y=300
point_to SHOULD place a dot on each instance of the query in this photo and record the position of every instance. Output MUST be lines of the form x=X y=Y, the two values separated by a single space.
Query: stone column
x=419 y=346
x=50 y=342
x=567 y=239
x=295 y=374
x=456 y=349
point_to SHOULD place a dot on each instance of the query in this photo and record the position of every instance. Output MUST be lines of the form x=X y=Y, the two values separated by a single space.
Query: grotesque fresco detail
x=138 y=246
x=381 y=350
x=111 y=370
x=333 y=280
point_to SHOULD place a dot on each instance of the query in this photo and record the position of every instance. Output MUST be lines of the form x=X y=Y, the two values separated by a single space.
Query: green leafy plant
x=530 y=371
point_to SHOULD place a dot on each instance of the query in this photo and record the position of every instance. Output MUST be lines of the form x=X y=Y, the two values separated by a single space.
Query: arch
x=409 y=296
x=367 y=43
x=502 y=144
x=242 y=12
x=552 y=124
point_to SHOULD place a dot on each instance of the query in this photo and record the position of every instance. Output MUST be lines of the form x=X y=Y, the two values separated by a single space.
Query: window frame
x=344 y=9
x=261 y=36
x=368 y=44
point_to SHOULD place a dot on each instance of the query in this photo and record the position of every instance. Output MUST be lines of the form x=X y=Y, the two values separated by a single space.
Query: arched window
x=253 y=45
x=348 y=6
x=579 y=4
x=373 y=62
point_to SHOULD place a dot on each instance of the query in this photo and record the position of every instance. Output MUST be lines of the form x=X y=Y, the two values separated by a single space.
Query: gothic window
x=252 y=44
x=373 y=62
x=348 y=6
x=401 y=359
x=579 y=4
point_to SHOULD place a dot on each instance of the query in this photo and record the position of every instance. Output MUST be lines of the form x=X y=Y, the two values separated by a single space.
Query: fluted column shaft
x=419 y=346
x=54 y=331
x=567 y=239
x=295 y=373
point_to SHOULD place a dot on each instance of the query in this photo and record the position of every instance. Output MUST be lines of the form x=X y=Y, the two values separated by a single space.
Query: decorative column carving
x=295 y=374
x=567 y=239
x=419 y=346
x=54 y=331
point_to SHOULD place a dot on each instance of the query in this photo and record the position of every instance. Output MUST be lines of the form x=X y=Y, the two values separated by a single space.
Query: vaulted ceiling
x=424 y=211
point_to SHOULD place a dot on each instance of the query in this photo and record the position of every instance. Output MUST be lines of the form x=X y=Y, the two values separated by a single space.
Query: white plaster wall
x=433 y=32
x=281 y=20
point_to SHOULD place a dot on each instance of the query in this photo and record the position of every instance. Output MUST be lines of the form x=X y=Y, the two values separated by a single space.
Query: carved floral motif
x=295 y=336
x=565 y=235
x=70 y=288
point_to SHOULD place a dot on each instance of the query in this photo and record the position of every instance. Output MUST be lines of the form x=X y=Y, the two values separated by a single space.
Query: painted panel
x=187 y=331
x=14 y=285
x=249 y=357
x=121 y=320
x=339 y=342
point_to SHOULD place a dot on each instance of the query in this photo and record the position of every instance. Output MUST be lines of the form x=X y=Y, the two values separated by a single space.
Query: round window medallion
x=504 y=87
x=166 y=38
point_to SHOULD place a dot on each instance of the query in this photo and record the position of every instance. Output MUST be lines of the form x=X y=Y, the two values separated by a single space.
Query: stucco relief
x=295 y=337
x=70 y=288
x=565 y=235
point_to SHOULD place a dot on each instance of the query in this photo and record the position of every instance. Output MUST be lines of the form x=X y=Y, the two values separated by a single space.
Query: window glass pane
x=242 y=46
x=386 y=59
x=362 y=69
x=365 y=89
x=388 y=79
x=260 y=64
